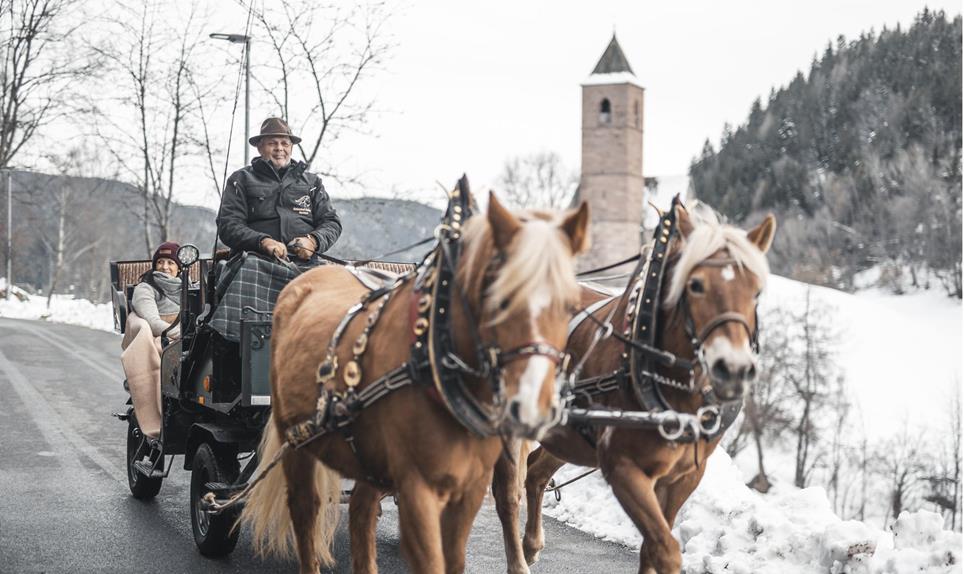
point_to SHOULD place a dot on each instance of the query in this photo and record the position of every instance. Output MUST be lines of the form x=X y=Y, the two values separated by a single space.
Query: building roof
x=613 y=60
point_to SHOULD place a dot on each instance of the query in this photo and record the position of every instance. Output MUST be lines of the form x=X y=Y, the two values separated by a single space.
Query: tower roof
x=613 y=60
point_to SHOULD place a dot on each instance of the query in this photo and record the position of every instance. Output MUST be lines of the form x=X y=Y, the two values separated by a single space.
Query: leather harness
x=433 y=361
x=638 y=376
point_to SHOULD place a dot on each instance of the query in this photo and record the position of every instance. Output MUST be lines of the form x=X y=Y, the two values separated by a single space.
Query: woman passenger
x=155 y=305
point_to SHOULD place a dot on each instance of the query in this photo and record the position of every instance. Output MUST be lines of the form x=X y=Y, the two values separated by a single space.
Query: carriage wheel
x=214 y=535
x=142 y=487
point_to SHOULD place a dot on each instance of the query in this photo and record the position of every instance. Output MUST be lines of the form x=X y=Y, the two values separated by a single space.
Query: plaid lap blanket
x=248 y=286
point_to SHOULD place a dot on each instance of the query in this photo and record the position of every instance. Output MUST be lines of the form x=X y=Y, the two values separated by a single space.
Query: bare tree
x=322 y=55
x=537 y=180
x=811 y=378
x=144 y=129
x=943 y=475
x=902 y=462
x=768 y=410
x=38 y=68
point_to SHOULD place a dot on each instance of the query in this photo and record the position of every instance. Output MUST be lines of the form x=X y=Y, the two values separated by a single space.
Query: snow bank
x=727 y=528
x=63 y=309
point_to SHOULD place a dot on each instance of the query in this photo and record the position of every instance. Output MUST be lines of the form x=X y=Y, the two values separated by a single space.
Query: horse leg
x=303 y=503
x=541 y=466
x=363 y=509
x=507 y=492
x=420 y=527
x=672 y=496
x=635 y=491
x=457 y=518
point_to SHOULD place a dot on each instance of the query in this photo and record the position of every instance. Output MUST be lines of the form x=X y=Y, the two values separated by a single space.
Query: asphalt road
x=64 y=501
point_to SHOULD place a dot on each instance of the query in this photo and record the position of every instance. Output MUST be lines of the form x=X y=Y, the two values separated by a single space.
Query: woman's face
x=166 y=266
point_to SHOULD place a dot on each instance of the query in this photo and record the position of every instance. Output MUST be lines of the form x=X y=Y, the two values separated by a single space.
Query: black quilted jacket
x=258 y=203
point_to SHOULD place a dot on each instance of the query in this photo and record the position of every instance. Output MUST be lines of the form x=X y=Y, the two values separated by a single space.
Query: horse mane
x=538 y=263
x=708 y=237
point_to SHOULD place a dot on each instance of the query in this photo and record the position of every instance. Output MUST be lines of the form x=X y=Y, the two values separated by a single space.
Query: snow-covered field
x=887 y=344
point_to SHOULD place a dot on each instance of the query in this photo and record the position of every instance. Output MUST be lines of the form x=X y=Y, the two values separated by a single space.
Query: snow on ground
x=726 y=528
x=63 y=309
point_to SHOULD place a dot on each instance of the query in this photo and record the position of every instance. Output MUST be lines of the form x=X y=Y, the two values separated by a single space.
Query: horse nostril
x=514 y=412
x=720 y=371
x=751 y=373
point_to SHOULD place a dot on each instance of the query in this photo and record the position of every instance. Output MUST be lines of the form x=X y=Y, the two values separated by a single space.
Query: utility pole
x=9 y=233
x=238 y=39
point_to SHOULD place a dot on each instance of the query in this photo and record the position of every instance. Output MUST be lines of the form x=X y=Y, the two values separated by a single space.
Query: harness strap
x=535 y=348
x=587 y=312
x=730 y=316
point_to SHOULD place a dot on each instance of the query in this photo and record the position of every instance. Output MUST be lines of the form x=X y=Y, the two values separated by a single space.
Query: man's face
x=276 y=149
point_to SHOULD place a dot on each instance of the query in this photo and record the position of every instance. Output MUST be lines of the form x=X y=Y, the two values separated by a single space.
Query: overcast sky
x=471 y=84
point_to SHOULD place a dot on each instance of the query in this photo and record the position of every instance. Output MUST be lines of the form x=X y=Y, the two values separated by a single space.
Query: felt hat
x=274 y=127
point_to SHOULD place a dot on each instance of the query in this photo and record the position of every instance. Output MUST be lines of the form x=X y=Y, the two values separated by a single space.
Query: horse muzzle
x=731 y=377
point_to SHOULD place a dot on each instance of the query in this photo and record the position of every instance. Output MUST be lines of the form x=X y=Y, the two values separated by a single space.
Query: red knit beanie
x=167 y=250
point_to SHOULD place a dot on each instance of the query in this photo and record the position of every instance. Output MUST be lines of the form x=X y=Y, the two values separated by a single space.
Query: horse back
x=306 y=315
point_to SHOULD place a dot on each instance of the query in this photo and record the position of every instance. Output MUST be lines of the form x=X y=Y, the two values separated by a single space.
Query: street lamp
x=246 y=40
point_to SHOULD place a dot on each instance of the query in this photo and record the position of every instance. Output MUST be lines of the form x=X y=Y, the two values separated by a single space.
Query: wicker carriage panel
x=129 y=273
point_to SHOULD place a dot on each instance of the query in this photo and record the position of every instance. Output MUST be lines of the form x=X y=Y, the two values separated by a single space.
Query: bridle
x=640 y=377
x=437 y=273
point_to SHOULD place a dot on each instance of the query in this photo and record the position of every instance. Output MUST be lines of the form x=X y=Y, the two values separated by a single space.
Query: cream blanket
x=142 y=366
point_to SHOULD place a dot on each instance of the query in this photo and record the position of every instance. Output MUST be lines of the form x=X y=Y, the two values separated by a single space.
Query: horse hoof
x=532 y=556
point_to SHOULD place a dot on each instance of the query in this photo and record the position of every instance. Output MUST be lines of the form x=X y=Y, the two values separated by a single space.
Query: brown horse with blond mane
x=508 y=299
x=713 y=276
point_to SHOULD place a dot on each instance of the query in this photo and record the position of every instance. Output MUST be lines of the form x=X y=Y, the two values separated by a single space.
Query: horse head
x=520 y=284
x=718 y=275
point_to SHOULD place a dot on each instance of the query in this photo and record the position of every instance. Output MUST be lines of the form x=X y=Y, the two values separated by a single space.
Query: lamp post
x=246 y=40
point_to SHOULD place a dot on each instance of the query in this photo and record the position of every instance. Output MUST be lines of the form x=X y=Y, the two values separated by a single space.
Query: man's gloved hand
x=304 y=247
x=273 y=248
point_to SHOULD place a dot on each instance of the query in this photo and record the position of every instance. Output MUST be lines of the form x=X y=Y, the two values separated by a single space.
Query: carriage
x=215 y=393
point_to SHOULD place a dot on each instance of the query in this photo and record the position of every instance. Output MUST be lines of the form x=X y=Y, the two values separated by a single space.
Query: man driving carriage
x=275 y=205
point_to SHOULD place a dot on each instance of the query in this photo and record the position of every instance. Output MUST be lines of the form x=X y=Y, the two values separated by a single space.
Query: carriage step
x=122 y=416
x=147 y=469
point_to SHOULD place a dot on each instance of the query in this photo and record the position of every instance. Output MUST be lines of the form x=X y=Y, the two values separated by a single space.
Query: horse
x=713 y=276
x=499 y=289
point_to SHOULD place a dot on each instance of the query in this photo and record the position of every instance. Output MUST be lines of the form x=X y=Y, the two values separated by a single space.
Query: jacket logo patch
x=303 y=205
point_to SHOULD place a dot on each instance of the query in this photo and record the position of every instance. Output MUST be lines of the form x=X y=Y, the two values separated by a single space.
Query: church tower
x=612 y=157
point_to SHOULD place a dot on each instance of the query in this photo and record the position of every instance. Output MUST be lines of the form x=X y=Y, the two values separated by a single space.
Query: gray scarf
x=169 y=287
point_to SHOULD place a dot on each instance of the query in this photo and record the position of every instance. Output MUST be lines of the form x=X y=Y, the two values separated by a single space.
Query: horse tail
x=266 y=510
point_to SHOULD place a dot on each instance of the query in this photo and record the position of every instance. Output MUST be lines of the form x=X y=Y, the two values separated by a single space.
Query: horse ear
x=465 y=192
x=762 y=235
x=504 y=225
x=576 y=227
x=683 y=222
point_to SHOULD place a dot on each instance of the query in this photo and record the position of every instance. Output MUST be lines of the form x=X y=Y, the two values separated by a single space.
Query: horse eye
x=696 y=286
x=504 y=304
